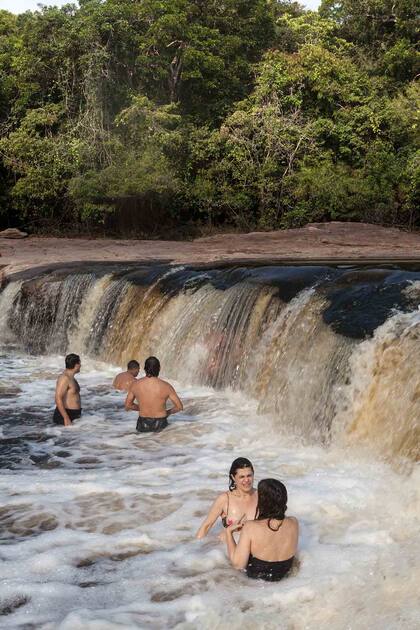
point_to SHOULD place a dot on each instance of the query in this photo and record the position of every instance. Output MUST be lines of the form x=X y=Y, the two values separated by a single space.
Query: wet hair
x=71 y=361
x=272 y=500
x=237 y=464
x=152 y=366
x=133 y=365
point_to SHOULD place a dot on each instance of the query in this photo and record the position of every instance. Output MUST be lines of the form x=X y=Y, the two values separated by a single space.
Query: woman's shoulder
x=253 y=525
x=222 y=497
x=262 y=524
x=250 y=527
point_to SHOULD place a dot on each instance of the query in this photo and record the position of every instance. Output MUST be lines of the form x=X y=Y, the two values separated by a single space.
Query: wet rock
x=357 y=311
x=13 y=233
x=89 y=584
x=344 y=241
x=8 y=606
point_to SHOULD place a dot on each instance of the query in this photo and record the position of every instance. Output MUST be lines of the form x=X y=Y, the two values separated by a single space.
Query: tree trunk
x=175 y=71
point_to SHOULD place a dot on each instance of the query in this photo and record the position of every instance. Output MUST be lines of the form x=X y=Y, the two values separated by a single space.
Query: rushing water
x=97 y=523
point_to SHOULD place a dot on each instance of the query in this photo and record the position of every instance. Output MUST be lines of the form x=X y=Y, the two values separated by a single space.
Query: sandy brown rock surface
x=317 y=242
x=12 y=233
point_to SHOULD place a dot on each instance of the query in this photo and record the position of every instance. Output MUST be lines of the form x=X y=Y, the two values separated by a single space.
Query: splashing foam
x=381 y=404
x=239 y=335
x=98 y=522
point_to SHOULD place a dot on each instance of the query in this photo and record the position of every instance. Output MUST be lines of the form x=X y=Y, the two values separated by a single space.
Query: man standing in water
x=67 y=393
x=151 y=394
x=124 y=380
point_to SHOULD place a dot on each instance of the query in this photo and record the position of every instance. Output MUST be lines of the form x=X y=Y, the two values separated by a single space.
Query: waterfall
x=381 y=402
x=7 y=298
x=84 y=327
x=330 y=354
x=44 y=312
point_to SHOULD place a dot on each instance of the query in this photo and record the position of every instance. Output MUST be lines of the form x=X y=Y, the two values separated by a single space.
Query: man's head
x=73 y=362
x=133 y=367
x=152 y=366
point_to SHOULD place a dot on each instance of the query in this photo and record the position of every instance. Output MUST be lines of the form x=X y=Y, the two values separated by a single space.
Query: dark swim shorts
x=148 y=425
x=73 y=415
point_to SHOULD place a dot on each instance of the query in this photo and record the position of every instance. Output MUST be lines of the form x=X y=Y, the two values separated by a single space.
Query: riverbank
x=334 y=242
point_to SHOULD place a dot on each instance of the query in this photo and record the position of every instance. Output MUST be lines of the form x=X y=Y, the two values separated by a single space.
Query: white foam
x=100 y=533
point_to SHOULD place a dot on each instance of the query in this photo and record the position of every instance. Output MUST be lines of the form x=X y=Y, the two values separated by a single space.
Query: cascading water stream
x=311 y=372
x=271 y=333
x=7 y=300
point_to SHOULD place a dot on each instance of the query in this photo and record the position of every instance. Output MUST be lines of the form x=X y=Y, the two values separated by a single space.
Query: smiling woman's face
x=244 y=478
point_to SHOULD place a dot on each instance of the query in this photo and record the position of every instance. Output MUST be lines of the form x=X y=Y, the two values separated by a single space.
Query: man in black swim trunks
x=151 y=394
x=67 y=393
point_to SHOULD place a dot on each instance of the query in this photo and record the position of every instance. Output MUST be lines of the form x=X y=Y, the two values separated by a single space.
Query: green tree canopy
x=255 y=113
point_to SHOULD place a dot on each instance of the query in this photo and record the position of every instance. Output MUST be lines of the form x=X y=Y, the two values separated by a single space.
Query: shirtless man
x=151 y=394
x=124 y=380
x=67 y=393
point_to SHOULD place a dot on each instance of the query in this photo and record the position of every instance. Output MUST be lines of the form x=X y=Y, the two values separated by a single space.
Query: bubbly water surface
x=97 y=523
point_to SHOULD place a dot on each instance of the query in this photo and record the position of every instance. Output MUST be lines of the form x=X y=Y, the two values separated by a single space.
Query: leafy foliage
x=254 y=113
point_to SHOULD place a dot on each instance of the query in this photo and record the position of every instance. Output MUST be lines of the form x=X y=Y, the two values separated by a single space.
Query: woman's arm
x=238 y=553
x=215 y=511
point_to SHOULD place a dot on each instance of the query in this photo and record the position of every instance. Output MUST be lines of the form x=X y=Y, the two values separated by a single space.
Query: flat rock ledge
x=318 y=243
x=12 y=233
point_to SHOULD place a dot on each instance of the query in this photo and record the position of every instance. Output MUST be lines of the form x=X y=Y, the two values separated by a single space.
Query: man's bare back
x=152 y=394
x=124 y=380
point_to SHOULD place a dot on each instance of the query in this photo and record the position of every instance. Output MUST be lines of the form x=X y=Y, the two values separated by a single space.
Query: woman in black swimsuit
x=267 y=546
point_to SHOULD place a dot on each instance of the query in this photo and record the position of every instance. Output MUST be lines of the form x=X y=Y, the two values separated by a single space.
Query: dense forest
x=146 y=116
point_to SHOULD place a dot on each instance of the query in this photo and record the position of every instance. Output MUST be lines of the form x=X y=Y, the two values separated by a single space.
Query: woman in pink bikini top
x=239 y=503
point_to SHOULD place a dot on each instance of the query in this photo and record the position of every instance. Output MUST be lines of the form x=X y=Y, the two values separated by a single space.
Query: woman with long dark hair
x=239 y=503
x=268 y=544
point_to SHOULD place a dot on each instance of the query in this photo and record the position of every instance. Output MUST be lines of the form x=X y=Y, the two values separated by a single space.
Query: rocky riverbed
x=335 y=242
